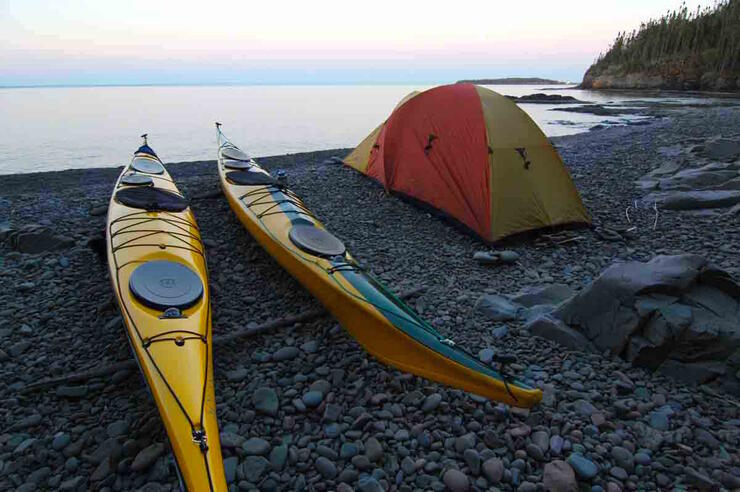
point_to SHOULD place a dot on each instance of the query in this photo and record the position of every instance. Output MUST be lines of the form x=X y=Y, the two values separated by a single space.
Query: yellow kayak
x=158 y=270
x=379 y=321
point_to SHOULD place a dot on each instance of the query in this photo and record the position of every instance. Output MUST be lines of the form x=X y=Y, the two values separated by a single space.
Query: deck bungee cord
x=264 y=199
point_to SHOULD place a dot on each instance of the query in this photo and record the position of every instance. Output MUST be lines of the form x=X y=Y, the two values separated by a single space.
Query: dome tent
x=474 y=155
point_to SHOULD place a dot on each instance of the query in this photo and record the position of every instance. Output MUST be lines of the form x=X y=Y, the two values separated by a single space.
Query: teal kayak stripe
x=403 y=318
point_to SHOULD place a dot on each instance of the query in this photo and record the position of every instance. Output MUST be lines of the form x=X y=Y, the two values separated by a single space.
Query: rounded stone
x=256 y=446
x=312 y=399
x=583 y=467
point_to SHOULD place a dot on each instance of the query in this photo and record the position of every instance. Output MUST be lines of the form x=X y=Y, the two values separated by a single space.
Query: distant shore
x=513 y=81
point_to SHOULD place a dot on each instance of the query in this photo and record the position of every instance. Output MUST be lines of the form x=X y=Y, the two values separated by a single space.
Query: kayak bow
x=378 y=320
x=158 y=269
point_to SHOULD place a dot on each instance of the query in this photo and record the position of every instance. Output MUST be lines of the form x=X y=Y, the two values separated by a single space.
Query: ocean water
x=45 y=129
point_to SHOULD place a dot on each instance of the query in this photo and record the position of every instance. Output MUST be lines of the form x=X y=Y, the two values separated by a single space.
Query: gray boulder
x=677 y=314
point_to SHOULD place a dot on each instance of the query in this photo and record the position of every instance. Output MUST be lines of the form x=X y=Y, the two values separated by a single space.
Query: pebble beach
x=304 y=407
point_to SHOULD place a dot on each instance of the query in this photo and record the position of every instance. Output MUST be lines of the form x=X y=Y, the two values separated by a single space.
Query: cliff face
x=672 y=75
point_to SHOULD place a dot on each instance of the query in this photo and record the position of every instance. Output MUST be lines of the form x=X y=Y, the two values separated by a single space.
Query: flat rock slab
x=497 y=308
x=721 y=149
x=548 y=294
x=692 y=200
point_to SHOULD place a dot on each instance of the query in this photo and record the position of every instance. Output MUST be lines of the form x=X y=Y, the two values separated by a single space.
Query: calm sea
x=43 y=129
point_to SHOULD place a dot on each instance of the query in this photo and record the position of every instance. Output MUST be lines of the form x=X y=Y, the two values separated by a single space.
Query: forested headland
x=682 y=50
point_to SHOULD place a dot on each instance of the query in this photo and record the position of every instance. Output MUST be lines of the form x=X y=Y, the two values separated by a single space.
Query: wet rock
x=369 y=484
x=266 y=401
x=659 y=421
x=456 y=481
x=231 y=440
x=256 y=446
x=19 y=348
x=486 y=355
x=642 y=459
x=102 y=471
x=348 y=450
x=253 y=468
x=286 y=353
x=26 y=422
x=556 y=444
x=500 y=332
x=147 y=457
x=431 y=402
x=497 y=308
x=312 y=399
x=230 y=465
x=326 y=468
x=332 y=412
x=117 y=428
x=238 y=374
x=496 y=257
x=535 y=452
x=583 y=467
x=373 y=449
x=472 y=459
x=60 y=441
x=72 y=484
x=699 y=479
x=493 y=470
x=465 y=442
x=558 y=476
x=278 y=457
x=706 y=438
x=623 y=458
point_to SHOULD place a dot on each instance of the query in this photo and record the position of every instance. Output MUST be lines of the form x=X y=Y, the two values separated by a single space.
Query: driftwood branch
x=78 y=377
x=108 y=370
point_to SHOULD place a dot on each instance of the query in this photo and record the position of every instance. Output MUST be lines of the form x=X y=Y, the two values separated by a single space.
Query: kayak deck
x=172 y=345
x=379 y=321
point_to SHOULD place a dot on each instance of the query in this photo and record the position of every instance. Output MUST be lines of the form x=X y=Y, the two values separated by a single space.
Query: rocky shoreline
x=304 y=407
x=667 y=78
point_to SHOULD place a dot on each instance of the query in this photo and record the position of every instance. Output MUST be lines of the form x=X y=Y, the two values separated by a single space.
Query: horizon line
x=236 y=84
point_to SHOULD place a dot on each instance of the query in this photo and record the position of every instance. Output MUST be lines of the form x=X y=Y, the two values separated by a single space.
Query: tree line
x=708 y=38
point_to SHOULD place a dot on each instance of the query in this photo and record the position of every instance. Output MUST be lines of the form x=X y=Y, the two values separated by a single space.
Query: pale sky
x=62 y=42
